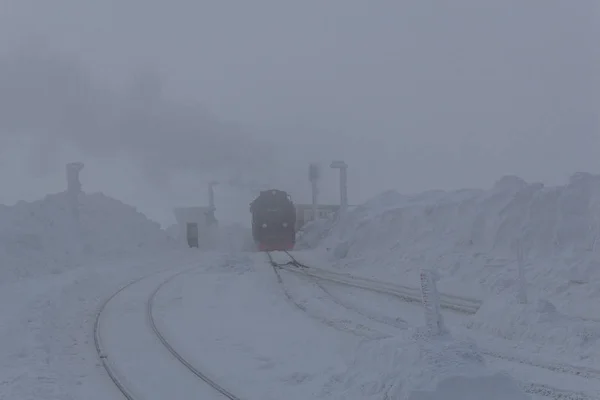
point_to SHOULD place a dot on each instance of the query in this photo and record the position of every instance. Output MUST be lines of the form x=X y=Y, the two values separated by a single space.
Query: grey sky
x=412 y=94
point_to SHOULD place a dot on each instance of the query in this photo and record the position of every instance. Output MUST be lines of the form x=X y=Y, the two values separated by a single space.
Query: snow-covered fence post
x=522 y=282
x=431 y=302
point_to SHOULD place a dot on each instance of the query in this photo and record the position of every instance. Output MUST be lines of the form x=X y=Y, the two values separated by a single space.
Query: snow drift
x=415 y=366
x=471 y=236
x=312 y=233
x=42 y=236
x=538 y=321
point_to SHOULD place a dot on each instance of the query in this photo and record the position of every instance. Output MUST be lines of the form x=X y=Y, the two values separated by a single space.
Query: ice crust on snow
x=470 y=237
x=40 y=237
x=416 y=366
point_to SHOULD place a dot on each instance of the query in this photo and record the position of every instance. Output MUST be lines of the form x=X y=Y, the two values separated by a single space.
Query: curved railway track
x=171 y=349
x=116 y=378
x=531 y=388
x=119 y=381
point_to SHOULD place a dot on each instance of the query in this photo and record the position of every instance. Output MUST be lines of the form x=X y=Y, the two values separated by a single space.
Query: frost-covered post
x=431 y=302
x=522 y=282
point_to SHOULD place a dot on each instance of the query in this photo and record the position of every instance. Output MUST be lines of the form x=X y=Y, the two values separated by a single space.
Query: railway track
x=104 y=353
x=339 y=325
x=531 y=388
x=121 y=382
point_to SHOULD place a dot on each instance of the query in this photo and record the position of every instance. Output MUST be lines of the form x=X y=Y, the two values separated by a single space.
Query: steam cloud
x=51 y=97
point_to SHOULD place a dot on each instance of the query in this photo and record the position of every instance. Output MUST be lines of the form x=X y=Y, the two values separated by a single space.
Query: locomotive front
x=273 y=221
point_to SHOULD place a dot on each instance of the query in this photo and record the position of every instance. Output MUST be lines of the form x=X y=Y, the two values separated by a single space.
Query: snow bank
x=538 y=321
x=42 y=236
x=417 y=367
x=470 y=237
x=312 y=233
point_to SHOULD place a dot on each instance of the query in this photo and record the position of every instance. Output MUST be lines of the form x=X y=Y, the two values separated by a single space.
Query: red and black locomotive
x=273 y=221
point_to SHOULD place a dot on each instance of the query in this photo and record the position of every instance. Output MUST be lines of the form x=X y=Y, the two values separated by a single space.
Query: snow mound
x=43 y=237
x=417 y=367
x=539 y=321
x=470 y=237
x=312 y=233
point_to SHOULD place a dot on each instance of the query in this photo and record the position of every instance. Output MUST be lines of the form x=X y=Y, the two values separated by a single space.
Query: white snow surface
x=470 y=237
x=294 y=355
x=538 y=321
x=299 y=339
x=415 y=366
x=40 y=237
x=46 y=330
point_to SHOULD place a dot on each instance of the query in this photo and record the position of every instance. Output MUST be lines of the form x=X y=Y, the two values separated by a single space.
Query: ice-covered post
x=343 y=167
x=431 y=302
x=522 y=295
x=313 y=177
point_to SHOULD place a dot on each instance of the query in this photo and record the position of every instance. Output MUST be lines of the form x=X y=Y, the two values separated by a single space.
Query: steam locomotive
x=273 y=221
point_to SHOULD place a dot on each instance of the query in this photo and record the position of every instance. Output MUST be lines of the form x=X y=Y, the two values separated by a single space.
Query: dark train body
x=273 y=221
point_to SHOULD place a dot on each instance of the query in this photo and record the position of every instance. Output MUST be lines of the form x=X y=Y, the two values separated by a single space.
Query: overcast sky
x=157 y=97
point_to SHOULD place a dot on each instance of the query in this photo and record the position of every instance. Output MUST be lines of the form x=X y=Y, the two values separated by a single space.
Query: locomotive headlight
x=285 y=224
x=264 y=225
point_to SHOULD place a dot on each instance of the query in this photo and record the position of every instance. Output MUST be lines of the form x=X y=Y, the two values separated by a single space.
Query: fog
x=158 y=98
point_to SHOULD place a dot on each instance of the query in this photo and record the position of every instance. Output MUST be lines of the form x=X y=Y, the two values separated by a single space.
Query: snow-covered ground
x=471 y=238
x=262 y=333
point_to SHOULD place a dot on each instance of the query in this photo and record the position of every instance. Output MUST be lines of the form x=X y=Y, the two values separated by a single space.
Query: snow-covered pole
x=431 y=302
x=211 y=194
x=344 y=188
x=313 y=177
x=315 y=203
x=522 y=296
x=343 y=167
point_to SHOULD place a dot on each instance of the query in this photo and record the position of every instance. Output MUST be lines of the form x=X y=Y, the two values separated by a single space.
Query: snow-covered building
x=304 y=212
x=197 y=226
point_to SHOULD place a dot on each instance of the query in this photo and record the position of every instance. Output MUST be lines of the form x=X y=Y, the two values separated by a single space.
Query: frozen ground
x=540 y=370
x=47 y=349
x=262 y=338
x=53 y=280
x=304 y=347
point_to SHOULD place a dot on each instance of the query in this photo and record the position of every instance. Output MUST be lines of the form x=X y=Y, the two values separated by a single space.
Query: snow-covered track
x=102 y=354
x=118 y=378
x=582 y=371
x=461 y=304
x=539 y=389
x=398 y=322
x=338 y=325
x=177 y=355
